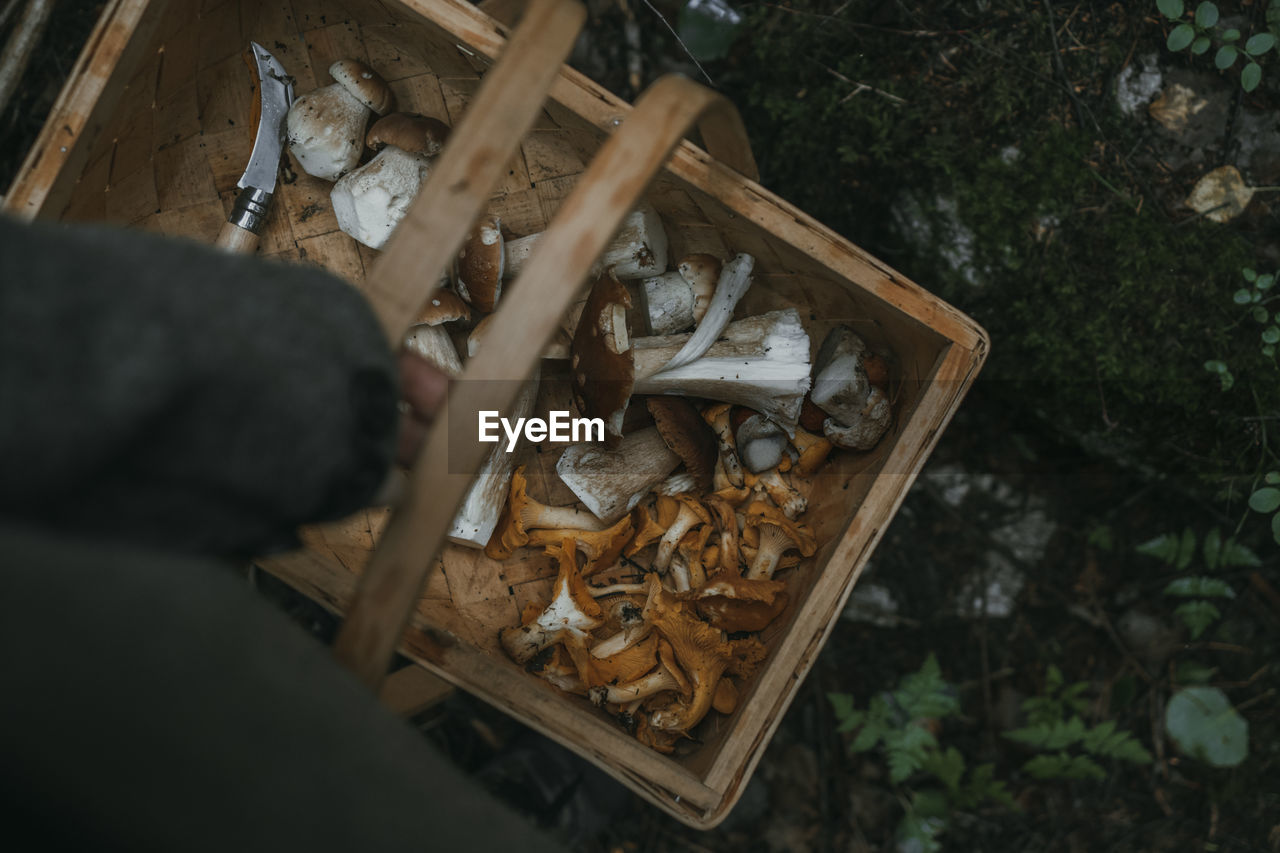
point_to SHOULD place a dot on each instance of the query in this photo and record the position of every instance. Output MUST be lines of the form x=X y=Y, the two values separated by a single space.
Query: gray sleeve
x=162 y=392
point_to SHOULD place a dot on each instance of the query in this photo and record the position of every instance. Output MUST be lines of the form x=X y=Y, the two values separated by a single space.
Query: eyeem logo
x=559 y=427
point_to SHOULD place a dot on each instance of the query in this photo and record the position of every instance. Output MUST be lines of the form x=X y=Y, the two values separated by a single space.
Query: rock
x=1137 y=84
x=873 y=604
x=990 y=590
x=1221 y=195
x=1147 y=636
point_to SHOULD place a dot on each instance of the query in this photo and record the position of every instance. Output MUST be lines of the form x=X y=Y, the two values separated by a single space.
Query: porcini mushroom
x=611 y=482
x=777 y=534
x=638 y=250
x=478 y=516
x=676 y=300
x=759 y=362
x=325 y=128
x=427 y=336
x=735 y=278
x=760 y=442
x=600 y=357
x=369 y=202
x=478 y=268
x=570 y=617
x=688 y=436
x=859 y=411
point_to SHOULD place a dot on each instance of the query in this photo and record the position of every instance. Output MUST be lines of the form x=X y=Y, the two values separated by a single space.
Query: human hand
x=423 y=388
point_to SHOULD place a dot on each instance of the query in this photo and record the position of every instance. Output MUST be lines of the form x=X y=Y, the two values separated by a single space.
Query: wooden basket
x=152 y=130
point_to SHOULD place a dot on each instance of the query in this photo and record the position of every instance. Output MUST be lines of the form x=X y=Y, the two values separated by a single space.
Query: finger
x=423 y=386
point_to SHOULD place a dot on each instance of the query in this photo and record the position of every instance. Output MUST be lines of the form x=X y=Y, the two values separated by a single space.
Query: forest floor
x=987 y=149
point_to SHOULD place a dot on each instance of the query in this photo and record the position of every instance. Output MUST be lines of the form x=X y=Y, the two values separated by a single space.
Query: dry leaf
x=1175 y=106
x=1221 y=195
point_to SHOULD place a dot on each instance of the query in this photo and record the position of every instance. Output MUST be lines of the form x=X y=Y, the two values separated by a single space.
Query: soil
x=1039 y=492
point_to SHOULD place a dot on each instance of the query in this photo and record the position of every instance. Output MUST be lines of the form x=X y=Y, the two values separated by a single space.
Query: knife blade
x=258 y=183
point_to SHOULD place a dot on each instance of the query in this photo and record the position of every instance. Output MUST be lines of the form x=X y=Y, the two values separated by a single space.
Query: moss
x=1102 y=310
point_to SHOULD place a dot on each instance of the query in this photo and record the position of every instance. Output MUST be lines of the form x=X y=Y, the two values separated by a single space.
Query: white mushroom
x=326 y=127
x=370 y=202
x=676 y=300
x=638 y=250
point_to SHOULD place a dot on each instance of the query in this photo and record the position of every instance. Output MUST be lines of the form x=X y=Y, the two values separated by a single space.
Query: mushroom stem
x=611 y=482
x=650 y=685
x=685 y=521
x=759 y=362
x=718 y=418
x=735 y=278
x=434 y=344
x=773 y=542
x=639 y=249
x=617 y=589
x=784 y=496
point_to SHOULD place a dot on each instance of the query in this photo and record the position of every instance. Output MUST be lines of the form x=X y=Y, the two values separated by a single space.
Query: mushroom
x=600 y=357
x=557 y=667
x=611 y=482
x=777 y=534
x=859 y=412
x=626 y=665
x=638 y=250
x=648 y=530
x=726 y=697
x=813 y=450
x=523 y=513
x=569 y=618
x=370 y=201
x=681 y=481
x=701 y=652
x=735 y=278
x=690 y=514
x=784 y=496
x=601 y=548
x=760 y=442
x=735 y=604
x=325 y=128
x=726 y=522
x=428 y=338
x=717 y=417
x=678 y=299
x=478 y=268
x=481 y=509
x=666 y=677
x=687 y=435
x=760 y=362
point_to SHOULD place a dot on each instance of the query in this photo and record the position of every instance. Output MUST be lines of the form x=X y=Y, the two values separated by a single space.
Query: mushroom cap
x=603 y=375
x=600 y=547
x=760 y=513
x=734 y=615
x=477 y=271
x=688 y=436
x=409 y=132
x=365 y=84
x=442 y=307
x=629 y=664
x=510 y=533
x=701 y=272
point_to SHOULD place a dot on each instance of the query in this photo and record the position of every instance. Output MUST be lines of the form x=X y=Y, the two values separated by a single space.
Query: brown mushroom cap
x=477 y=271
x=365 y=84
x=760 y=513
x=408 y=132
x=603 y=375
x=688 y=436
x=443 y=307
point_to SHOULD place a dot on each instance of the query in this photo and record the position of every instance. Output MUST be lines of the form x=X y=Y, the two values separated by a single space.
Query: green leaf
x=1190 y=672
x=1206 y=15
x=1249 y=274
x=1226 y=381
x=1100 y=537
x=1251 y=76
x=1212 y=549
x=1171 y=9
x=1268 y=351
x=1197 y=616
x=1271 y=335
x=1200 y=45
x=1234 y=554
x=1243 y=296
x=983 y=785
x=1275 y=527
x=1266 y=499
x=918 y=831
x=1231 y=36
x=1259 y=44
x=1056 y=735
x=1182 y=35
x=1272 y=478
x=1186 y=549
x=842 y=707
x=925 y=694
x=1201 y=586
x=1264 y=282
x=1205 y=726
x=1165 y=546
x=1064 y=767
x=906 y=750
x=1225 y=57
x=947 y=766
x=1260 y=314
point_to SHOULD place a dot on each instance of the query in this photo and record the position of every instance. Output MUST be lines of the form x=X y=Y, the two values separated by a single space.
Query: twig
x=680 y=42
x=859 y=87
x=7 y=12
x=22 y=41
x=1062 y=72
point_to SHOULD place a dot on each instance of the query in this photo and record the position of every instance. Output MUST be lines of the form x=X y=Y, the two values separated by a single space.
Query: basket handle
x=528 y=315
x=473 y=162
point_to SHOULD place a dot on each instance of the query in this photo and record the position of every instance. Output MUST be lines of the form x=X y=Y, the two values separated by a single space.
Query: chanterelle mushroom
x=777 y=534
x=666 y=677
x=523 y=514
x=703 y=655
x=326 y=127
x=570 y=617
x=370 y=201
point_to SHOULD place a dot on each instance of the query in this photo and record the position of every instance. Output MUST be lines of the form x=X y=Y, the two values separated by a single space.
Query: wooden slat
x=411 y=690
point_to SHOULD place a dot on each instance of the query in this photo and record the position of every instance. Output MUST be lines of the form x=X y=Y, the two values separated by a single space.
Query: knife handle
x=240 y=233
